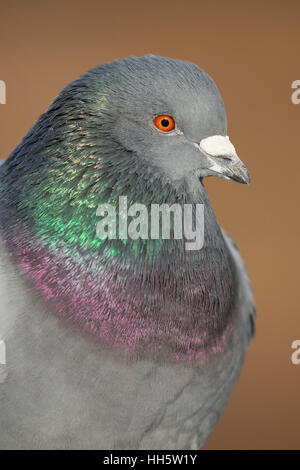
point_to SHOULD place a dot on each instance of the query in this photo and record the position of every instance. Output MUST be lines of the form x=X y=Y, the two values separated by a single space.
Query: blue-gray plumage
x=118 y=344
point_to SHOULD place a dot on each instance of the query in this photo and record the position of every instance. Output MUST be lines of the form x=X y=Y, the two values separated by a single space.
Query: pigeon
x=119 y=343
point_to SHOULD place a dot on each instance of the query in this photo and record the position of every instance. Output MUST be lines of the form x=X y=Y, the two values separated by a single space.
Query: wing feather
x=245 y=297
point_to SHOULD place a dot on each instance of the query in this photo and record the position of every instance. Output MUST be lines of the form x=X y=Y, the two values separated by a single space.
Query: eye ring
x=164 y=123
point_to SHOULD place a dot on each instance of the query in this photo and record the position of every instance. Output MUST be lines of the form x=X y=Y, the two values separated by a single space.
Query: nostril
x=223 y=157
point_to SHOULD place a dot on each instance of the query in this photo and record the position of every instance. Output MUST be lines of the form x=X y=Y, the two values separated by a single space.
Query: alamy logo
x=2 y=92
x=295 y=358
x=296 y=94
x=163 y=221
x=2 y=352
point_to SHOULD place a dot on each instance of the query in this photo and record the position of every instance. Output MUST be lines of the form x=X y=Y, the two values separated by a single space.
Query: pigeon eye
x=164 y=123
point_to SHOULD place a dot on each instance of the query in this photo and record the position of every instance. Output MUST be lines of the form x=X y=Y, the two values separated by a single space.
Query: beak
x=223 y=159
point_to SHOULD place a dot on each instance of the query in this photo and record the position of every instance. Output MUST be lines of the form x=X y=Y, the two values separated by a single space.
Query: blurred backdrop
x=251 y=49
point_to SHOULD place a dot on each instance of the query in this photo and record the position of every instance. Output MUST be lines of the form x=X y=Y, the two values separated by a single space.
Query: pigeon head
x=171 y=115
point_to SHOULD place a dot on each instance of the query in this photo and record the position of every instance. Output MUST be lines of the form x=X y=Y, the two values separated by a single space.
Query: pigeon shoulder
x=246 y=302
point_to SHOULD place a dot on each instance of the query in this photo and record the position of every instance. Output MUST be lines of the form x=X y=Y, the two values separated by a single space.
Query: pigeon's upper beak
x=223 y=160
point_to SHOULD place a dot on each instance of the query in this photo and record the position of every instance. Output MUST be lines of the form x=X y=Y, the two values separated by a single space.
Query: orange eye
x=164 y=123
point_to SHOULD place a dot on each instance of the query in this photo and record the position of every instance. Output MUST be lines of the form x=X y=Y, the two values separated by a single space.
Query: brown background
x=251 y=49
